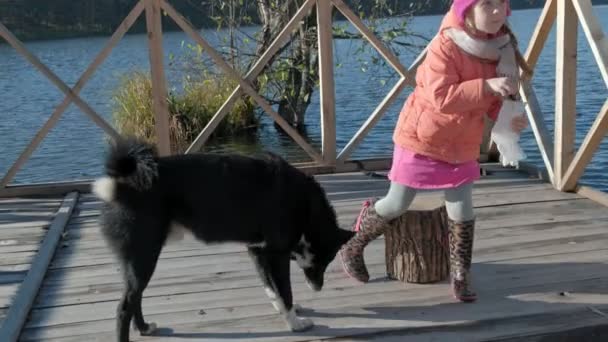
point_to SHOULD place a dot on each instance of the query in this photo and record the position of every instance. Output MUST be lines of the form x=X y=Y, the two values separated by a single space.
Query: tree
x=289 y=80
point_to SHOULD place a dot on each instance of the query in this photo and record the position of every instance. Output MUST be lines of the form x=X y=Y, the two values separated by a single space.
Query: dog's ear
x=344 y=236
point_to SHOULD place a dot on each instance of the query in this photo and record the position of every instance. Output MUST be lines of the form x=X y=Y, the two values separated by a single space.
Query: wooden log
x=417 y=248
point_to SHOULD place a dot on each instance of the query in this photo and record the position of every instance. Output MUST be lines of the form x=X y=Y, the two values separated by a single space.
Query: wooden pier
x=540 y=267
x=541 y=246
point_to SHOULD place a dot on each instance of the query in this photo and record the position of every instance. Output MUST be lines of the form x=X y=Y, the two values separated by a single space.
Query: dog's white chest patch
x=105 y=188
x=303 y=254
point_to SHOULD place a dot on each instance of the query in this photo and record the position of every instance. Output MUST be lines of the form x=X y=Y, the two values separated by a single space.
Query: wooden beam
x=326 y=75
x=159 y=83
x=21 y=305
x=595 y=35
x=17 y=45
x=539 y=127
x=372 y=120
x=592 y=142
x=280 y=41
x=247 y=87
x=84 y=78
x=371 y=37
x=366 y=165
x=565 y=88
x=46 y=189
x=541 y=32
x=593 y=194
x=215 y=121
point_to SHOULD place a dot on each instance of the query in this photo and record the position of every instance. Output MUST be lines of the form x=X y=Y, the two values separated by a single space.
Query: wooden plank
x=12 y=245
x=68 y=260
x=593 y=194
x=380 y=163
x=520 y=241
x=595 y=35
x=84 y=78
x=592 y=142
x=23 y=224
x=278 y=43
x=17 y=45
x=219 y=61
x=372 y=120
x=17 y=314
x=581 y=325
x=17 y=258
x=539 y=128
x=159 y=83
x=184 y=282
x=487 y=220
x=565 y=89
x=45 y=189
x=342 y=290
x=486 y=265
x=372 y=39
x=326 y=75
x=220 y=291
x=541 y=32
x=378 y=311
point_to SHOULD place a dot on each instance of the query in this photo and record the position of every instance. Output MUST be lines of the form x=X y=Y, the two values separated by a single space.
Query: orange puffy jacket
x=444 y=116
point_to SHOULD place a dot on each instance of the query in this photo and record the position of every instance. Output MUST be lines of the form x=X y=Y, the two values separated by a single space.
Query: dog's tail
x=130 y=162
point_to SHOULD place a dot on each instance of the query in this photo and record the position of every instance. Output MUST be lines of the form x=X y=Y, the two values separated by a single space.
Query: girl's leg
x=396 y=201
x=373 y=220
x=461 y=223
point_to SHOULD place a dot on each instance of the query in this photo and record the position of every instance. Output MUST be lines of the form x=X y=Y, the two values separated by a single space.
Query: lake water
x=74 y=148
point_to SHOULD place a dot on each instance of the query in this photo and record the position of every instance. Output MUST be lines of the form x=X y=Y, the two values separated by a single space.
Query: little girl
x=472 y=63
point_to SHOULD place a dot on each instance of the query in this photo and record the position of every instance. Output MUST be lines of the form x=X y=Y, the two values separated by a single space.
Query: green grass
x=189 y=111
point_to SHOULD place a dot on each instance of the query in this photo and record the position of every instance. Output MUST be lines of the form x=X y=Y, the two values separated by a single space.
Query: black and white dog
x=276 y=210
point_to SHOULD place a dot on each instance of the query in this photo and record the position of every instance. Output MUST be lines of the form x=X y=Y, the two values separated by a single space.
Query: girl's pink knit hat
x=462 y=6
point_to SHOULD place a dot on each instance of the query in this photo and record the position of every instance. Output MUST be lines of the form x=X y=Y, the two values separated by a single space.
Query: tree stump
x=417 y=248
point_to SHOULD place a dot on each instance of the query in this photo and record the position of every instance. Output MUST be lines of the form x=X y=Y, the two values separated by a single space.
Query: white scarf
x=498 y=49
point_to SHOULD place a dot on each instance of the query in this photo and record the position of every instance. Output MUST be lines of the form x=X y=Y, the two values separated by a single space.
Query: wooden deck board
x=532 y=243
x=23 y=225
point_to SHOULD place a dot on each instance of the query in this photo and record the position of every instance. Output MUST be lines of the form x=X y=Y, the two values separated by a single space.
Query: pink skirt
x=420 y=172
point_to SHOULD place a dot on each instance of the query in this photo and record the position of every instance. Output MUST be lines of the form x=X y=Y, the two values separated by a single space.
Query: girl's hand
x=519 y=123
x=500 y=86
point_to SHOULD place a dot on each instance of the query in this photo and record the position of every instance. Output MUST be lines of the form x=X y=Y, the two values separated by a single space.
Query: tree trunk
x=302 y=76
x=295 y=93
x=417 y=249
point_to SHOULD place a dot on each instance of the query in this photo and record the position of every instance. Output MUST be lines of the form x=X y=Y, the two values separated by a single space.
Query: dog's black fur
x=276 y=210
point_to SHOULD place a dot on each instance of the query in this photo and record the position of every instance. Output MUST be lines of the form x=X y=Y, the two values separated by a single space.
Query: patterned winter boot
x=461 y=249
x=369 y=225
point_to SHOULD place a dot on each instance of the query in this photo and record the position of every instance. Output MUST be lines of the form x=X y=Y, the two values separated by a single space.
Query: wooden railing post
x=326 y=74
x=599 y=46
x=565 y=89
x=544 y=140
x=159 y=84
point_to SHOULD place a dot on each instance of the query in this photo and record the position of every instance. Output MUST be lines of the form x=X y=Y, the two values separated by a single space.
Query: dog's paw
x=301 y=324
x=297 y=324
x=150 y=329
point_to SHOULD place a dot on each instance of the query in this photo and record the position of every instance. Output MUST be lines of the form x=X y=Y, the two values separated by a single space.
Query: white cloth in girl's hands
x=507 y=140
